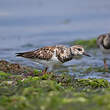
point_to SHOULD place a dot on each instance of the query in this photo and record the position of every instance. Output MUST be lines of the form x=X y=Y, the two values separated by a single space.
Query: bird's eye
x=79 y=49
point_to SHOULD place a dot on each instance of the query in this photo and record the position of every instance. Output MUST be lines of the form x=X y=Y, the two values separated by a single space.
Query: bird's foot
x=44 y=71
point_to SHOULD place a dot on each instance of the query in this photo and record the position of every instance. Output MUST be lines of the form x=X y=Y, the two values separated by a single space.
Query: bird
x=49 y=56
x=103 y=42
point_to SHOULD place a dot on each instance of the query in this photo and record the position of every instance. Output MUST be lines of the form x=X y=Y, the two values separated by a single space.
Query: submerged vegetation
x=24 y=88
x=88 y=44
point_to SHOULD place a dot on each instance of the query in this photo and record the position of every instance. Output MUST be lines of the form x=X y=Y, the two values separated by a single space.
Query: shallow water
x=27 y=25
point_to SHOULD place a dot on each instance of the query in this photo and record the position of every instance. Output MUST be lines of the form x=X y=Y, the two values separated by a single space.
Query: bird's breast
x=105 y=51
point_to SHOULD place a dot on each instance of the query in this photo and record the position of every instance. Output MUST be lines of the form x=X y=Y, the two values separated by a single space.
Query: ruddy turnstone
x=103 y=42
x=51 y=55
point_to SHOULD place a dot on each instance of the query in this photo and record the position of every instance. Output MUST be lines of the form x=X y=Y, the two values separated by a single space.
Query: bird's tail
x=25 y=54
x=19 y=54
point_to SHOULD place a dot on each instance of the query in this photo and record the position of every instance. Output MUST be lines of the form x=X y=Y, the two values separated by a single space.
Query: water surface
x=30 y=24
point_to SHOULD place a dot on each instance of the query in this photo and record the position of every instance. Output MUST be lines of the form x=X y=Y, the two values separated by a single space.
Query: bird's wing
x=100 y=40
x=44 y=53
x=63 y=54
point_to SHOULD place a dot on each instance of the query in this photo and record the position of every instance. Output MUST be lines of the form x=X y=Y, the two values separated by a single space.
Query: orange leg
x=105 y=65
x=45 y=70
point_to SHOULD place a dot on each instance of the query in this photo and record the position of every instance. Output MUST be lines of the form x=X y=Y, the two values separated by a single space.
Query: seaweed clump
x=88 y=44
x=50 y=91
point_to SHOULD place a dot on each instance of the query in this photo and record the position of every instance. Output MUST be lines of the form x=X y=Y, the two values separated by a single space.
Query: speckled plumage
x=51 y=55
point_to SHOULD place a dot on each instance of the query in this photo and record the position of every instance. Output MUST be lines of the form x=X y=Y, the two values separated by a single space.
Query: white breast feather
x=105 y=51
x=54 y=57
x=54 y=60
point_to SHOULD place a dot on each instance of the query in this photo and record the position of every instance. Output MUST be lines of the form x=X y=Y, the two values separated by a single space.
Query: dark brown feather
x=26 y=54
x=44 y=53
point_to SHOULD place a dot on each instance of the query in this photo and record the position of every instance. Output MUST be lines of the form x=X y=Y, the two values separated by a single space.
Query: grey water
x=29 y=24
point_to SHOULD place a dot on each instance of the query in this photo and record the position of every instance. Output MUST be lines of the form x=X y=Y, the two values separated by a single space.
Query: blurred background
x=29 y=24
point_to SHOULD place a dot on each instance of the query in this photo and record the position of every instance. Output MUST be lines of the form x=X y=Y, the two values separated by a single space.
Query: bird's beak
x=86 y=54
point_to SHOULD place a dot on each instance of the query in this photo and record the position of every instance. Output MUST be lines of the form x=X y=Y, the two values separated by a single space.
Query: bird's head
x=78 y=50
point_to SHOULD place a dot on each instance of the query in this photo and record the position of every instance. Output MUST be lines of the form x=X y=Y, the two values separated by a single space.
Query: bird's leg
x=105 y=65
x=45 y=70
x=50 y=69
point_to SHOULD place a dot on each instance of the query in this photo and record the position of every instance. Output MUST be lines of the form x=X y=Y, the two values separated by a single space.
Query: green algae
x=93 y=83
x=88 y=44
x=4 y=74
x=52 y=91
x=56 y=92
